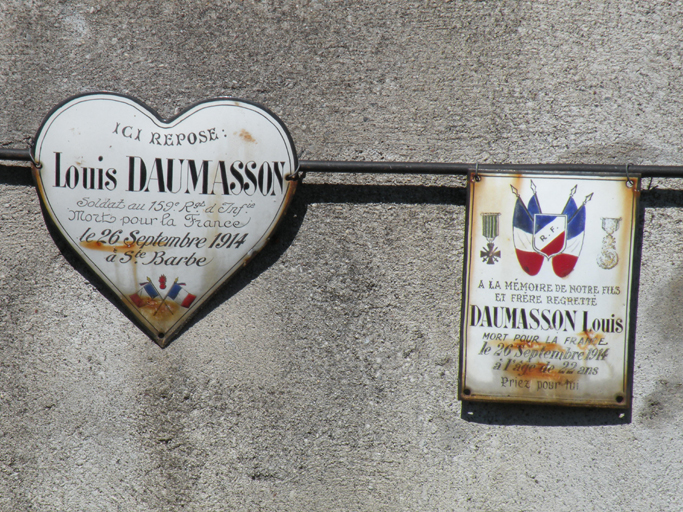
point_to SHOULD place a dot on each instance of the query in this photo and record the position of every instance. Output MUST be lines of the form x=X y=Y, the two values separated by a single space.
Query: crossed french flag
x=556 y=237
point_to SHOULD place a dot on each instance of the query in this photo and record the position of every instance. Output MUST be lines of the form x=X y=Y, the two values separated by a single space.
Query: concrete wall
x=324 y=376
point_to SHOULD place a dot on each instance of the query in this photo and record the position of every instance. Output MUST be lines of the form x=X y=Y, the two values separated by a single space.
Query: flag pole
x=163 y=301
x=516 y=192
x=588 y=198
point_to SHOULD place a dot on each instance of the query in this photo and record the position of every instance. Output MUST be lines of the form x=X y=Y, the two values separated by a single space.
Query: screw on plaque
x=35 y=163
x=629 y=181
x=476 y=178
x=298 y=174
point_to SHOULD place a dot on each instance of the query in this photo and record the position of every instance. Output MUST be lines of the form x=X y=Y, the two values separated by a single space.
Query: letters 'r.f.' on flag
x=557 y=237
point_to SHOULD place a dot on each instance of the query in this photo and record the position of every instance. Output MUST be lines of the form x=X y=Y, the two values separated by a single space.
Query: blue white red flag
x=180 y=295
x=523 y=235
x=147 y=291
x=549 y=234
x=557 y=237
x=564 y=263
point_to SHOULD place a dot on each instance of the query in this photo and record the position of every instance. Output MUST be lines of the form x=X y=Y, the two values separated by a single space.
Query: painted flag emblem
x=523 y=234
x=180 y=295
x=147 y=291
x=148 y=295
x=550 y=234
x=555 y=237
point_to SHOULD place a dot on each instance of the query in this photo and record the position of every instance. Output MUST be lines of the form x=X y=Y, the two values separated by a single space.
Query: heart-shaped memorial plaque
x=164 y=211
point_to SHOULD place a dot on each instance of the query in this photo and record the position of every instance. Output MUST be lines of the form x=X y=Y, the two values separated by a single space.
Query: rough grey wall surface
x=324 y=376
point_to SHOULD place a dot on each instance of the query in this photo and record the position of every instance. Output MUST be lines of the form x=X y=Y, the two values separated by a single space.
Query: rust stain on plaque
x=553 y=374
x=588 y=339
x=100 y=246
x=246 y=136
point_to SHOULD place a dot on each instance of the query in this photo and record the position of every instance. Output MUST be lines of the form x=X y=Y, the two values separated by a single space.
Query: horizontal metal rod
x=650 y=171
x=15 y=154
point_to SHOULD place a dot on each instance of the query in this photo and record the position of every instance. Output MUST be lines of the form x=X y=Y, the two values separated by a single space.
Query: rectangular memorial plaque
x=548 y=281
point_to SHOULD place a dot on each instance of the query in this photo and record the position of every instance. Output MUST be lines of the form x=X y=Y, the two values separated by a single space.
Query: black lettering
x=249 y=171
x=265 y=179
x=533 y=314
x=195 y=175
x=157 y=174
x=475 y=316
x=558 y=320
x=132 y=174
x=223 y=174
x=71 y=177
x=278 y=170
x=111 y=179
x=58 y=169
x=236 y=170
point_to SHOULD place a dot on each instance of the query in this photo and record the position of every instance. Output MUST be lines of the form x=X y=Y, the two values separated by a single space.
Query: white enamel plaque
x=164 y=211
x=548 y=281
